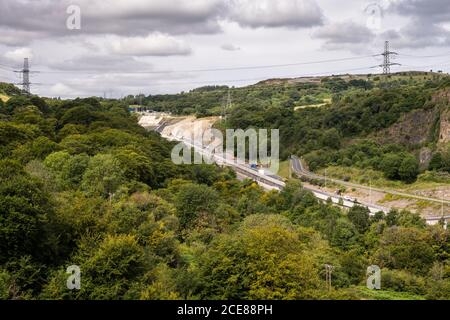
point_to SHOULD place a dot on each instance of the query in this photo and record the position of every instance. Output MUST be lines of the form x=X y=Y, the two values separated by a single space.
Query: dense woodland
x=82 y=184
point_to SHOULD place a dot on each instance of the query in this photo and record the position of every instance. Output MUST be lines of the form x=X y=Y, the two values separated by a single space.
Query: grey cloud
x=433 y=11
x=115 y=84
x=230 y=47
x=344 y=33
x=98 y=63
x=140 y=17
x=418 y=35
x=129 y=18
x=425 y=27
x=280 y=13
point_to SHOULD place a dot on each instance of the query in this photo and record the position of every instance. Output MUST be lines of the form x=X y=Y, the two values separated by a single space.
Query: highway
x=272 y=182
x=299 y=169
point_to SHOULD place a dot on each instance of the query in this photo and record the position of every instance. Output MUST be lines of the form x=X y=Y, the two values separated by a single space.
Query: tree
x=344 y=235
x=436 y=162
x=360 y=217
x=117 y=258
x=36 y=149
x=405 y=248
x=204 y=174
x=292 y=194
x=25 y=216
x=331 y=138
x=409 y=169
x=402 y=281
x=78 y=115
x=40 y=103
x=108 y=268
x=72 y=171
x=136 y=165
x=392 y=218
x=390 y=165
x=16 y=102
x=409 y=219
x=16 y=133
x=264 y=259
x=193 y=200
x=151 y=220
x=55 y=161
x=354 y=265
x=103 y=175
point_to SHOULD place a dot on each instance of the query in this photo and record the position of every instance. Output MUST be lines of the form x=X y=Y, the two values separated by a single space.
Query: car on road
x=350 y=199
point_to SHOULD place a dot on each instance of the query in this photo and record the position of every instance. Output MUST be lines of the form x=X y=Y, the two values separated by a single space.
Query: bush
x=401 y=281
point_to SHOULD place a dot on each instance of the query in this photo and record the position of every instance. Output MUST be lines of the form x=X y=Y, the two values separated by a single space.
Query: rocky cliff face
x=412 y=129
x=444 y=134
x=443 y=99
x=416 y=127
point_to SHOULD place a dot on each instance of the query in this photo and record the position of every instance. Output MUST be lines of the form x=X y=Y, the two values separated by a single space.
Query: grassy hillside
x=8 y=89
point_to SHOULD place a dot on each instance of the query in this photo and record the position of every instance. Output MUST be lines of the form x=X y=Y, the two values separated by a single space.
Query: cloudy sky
x=166 y=46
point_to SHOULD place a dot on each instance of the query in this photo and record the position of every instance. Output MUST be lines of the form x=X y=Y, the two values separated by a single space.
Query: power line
x=433 y=56
x=6 y=67
x=224 y=68
x=7 y=78
x=386 y=55
x=444 y=63
x=291 y=76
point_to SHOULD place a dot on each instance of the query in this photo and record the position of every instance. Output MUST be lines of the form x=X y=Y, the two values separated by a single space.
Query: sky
x=114 y=48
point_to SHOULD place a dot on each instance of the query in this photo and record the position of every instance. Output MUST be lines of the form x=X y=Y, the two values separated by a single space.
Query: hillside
x=317 y=116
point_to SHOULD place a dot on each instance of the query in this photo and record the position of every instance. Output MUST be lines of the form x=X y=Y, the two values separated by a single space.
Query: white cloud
x=19 y=54
x=62 y=90
x=155 y=44
x=12 y=37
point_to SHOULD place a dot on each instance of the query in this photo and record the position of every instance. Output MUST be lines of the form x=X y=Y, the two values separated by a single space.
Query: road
x=272 y=182
x=299 y=169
